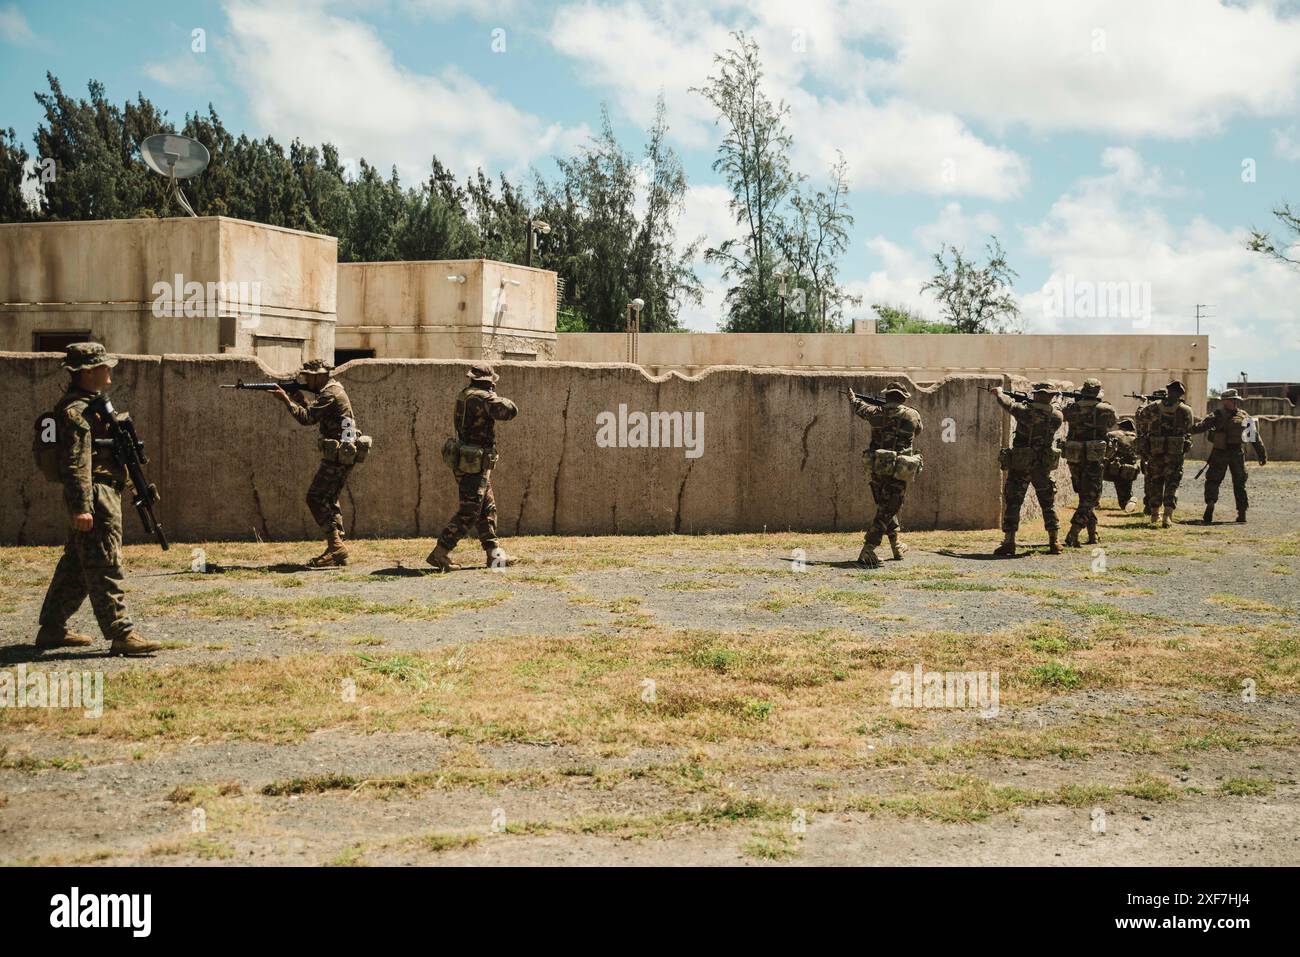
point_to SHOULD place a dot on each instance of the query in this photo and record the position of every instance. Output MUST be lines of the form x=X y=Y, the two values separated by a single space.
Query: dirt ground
x=680 y=700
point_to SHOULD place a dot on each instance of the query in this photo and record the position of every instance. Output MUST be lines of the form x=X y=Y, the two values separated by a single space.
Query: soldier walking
x=1090 y=421
x=1169 y=438
x=92 y=480
x=472 y=454
x=339 y=442
x=1230 y=430
x=1142 y=425
x=1030 y=460
x=894 y=427
x=1122 y=467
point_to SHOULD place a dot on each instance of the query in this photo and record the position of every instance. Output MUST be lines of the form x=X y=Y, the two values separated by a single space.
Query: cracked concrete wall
x=781 y=451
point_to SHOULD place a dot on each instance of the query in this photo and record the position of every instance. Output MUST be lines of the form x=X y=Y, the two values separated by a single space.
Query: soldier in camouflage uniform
x=1170 y=425
x=1090 y=421
x=332 y=412
x=1122 y=466
x=1230 y=430
x=1030 y=460
x=1142 y=425
x=472 y=455
x=894 y=426
x=91 y=564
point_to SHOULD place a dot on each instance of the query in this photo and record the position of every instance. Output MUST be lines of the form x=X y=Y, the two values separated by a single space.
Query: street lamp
x=782 y=291
x=532 y=229
x=633 y=327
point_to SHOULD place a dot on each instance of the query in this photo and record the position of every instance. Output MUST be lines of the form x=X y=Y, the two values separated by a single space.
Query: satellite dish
x=176 y=157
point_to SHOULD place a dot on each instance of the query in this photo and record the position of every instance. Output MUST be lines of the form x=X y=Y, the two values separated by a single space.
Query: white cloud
x=890 y=143
x=1171 y=68
x=14 y=26
x=1107 y=229
x=1286 y=144
x=191 y=72
x=322 y=77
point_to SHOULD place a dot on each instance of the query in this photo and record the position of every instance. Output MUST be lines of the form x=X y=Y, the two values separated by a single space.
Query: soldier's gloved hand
x=83 y=522
x=1263 y=462
x=280 y=394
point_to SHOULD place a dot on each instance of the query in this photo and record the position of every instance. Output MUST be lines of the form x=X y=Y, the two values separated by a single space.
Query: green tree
x=13 y=170
x=753 y=160
x=816 y=237
x=1262 y=242
x=900 y=319
x=975 y=298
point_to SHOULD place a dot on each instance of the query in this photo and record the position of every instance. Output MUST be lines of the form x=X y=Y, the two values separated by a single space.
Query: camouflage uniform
x=1228 y=431
x=478 y=410
x=1037 y=423
x=92 y=479
x=1123 y=453
x=328 y=410
x=1089 y=420
x=894 y=426
x=1142 y=426
x=1169 y=435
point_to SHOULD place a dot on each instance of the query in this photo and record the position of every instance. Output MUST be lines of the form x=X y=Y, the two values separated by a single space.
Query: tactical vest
x=1089 y=419
x=474 y=426
x=1036 y=430
x=892 y=427
x=1168 y=420
x=1228 y=428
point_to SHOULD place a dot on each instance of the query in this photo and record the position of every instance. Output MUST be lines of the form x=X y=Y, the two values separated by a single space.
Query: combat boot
x=897 y=547
x=1072 y=537
x=1053 y=545
x=1008 y=547
x=1241 y=516
x=1155 y=516
x=867 y=557
x=440 y=559
x=1168 y=518
x=133 y=644
x=496 y=557
x=1093 y=538
x=335 y=554
x=50 y=637
x=1208 y=517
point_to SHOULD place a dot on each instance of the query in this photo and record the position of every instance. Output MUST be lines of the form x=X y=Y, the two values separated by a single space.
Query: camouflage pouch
x=451 y=453
x=907 y=466
x=1051 y=458
x=1073 y=452
x=1143 y=445
x=879 y=462
x=364 y=442
x=1096 y=451
x=1127 y=471
x=329 y=449
x=1023 y=459
x=470 y=459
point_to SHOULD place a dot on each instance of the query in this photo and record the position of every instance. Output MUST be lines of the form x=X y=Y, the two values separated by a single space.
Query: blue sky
x=1103 y=142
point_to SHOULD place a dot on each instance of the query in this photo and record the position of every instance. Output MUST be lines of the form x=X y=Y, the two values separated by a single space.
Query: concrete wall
x=1258 y=405
x=781 y=451
x=100 y=277
x=1124 y=363
x=413 y=310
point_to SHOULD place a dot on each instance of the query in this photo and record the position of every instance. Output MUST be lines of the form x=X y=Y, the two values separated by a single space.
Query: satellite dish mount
x=175 y=157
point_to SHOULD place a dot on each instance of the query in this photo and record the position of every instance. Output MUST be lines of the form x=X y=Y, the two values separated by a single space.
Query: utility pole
x=1199 y=307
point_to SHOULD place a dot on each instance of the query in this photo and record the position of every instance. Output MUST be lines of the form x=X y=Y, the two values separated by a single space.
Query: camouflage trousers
x=478 y=509
x=1222 y=461
x=888 y=495
x=91 y=566
x=1146 y=486
x=323 y=494
x=1015 y=486
x=1123 y=491
x=1086 y=479
x=1164 y=474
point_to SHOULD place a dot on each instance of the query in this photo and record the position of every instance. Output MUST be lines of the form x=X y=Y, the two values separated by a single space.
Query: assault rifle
x=292 y=386
x=1139 y=395
x=864 y=397
x=1075 y=395
x=128 y=452
x=1017 y=396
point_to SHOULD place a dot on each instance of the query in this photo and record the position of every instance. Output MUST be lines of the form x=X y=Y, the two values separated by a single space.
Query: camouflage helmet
x=481 y=372
x=1175 y=386
x=1126 y=424
x=86 y=355
x=1043 y=387
x=1091 y=387
x=316 y=367
x=1232 y=394
x=896 y=391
